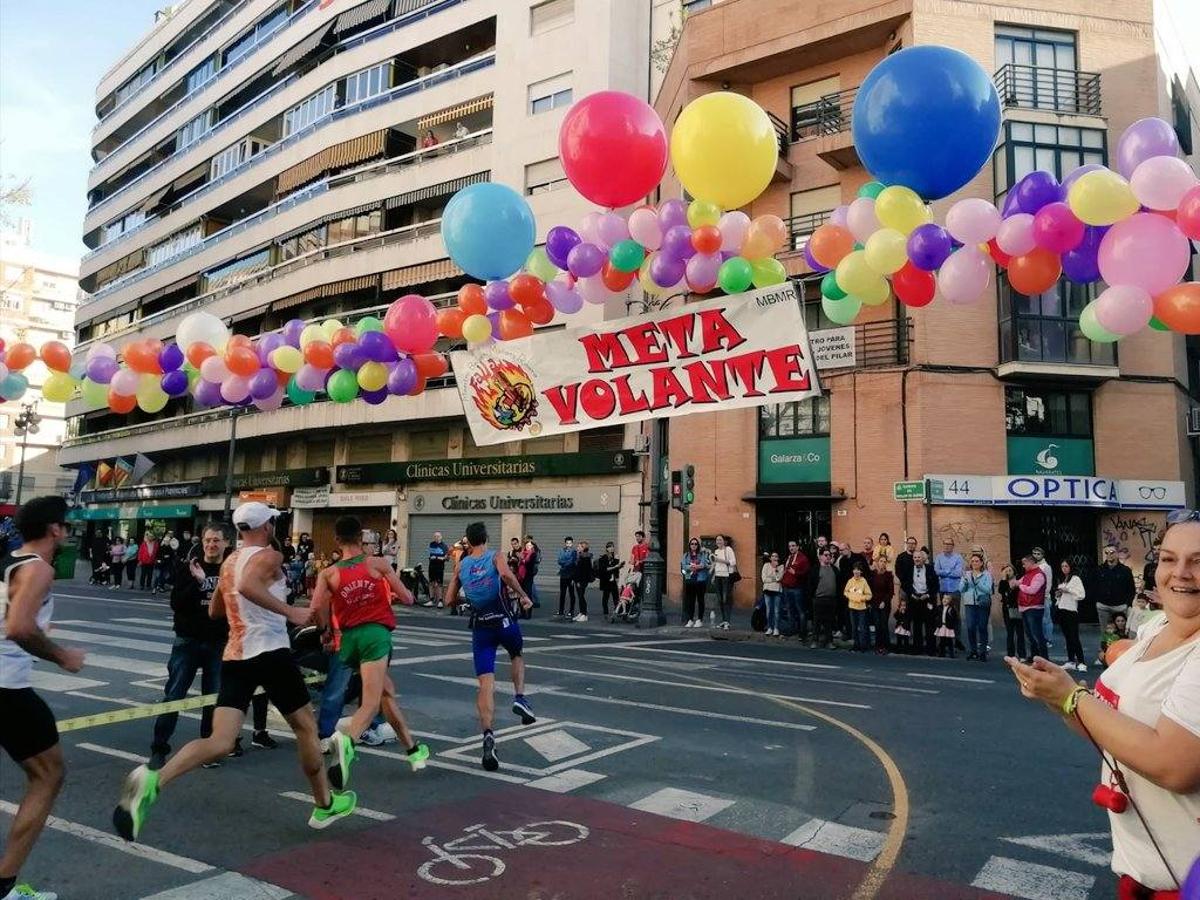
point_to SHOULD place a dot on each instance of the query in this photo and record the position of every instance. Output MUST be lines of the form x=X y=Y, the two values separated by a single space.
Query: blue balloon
x=928 y=118
x=488 y=230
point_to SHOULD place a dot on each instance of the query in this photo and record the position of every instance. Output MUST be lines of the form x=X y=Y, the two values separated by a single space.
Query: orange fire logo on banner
x=503 y=394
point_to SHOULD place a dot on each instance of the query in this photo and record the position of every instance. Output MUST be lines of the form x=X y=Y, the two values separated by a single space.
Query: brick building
x=1006 y=399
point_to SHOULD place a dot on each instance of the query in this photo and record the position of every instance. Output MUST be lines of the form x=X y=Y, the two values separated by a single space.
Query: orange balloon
x=1115 y=649
x=119 y=403
x=318 y=354
x=19 y=356
x=471 y=300
x=1034 y=272
x=56 y=356
x=616 y=280
x=450 y=321
x=526 y=289
x=241 y=361
x=542 y=313
x=1178 y=307
x=707 y=239
x=764 y=237
x=514 y=324
x=198 y=352
x=829 y=244
x=142 y=357
x=238 y=340
x=430 y=365
x=344 y=335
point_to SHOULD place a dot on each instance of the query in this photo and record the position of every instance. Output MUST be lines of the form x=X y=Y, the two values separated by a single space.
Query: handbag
x=734 y=575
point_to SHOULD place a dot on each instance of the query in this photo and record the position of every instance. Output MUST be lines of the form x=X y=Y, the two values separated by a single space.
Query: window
x=800 y=418
x=1057 y=149
x=544 y=176
x=428 y=444
x=195 y=129
x=201 y=75
x=319 y=452
x=550 y=93
x=1045 y=328
x=301 y=244
x=368 y=83
x=225 y=161
x=174 y=245
x=1034 y=411
x=131 y=87
x=809 y=210
x=1181 y=117
x=308 y=111
x=550 y=14
x=256 y=35
x=1038 y=70
x=120 y=226
x=235 y=272
x=814 y=105
x=694 y=6
x=370 y=448
x=353 y=227
x=1041 y=47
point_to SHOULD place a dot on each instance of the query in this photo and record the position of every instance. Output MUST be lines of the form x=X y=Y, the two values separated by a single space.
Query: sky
x=51 y=57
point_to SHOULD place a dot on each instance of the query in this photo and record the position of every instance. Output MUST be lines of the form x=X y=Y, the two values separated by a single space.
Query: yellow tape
x=148 y=710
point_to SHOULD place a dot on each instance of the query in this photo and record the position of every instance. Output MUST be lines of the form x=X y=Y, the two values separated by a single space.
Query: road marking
x=687 y=806
x=569 y=637
x=124 y=664
x=951 y=678
x=1072 y=846
x=106 y=600
x=358 y=810
x=564 y=782
x=226 y=886
x=111 y=751
x=105 y=640
x=442 y=764
x=58 y=682
x=446 y=657
x=681 y=666
x=95 y=836
x=557 y=745
x=1032 y=881
x=839 y=840
x=166 y=633
x=635 y=739
x=86 y=696
x=644 y=645
x=135 y=620
x=503 y=687
x=699 y=713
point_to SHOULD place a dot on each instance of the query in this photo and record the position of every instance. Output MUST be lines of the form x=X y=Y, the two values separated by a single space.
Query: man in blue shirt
x=567 y=558
x=486 y=582
x=438 y=551
x=949 y=567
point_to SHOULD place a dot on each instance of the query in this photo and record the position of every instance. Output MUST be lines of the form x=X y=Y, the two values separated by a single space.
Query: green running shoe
x=137 y=796
x=343 y=755
x=417 y=756
x=26 y=892
x=341 y=804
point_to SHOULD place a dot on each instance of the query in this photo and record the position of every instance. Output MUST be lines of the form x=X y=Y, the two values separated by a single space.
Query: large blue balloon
x=488 y=230
x=927 y=118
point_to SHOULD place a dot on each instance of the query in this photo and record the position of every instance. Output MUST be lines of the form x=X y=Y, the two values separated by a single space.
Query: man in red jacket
x=795 y=576
x=147 y=558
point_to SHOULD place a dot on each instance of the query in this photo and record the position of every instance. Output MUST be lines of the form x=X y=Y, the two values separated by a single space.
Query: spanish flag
x=104 y=474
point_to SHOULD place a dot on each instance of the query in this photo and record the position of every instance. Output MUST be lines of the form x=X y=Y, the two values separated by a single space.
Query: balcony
x=800 y=228
x=827 y=122
x=1040 y=335
x=783 y=168
x=1062 y=91
x=887 y=342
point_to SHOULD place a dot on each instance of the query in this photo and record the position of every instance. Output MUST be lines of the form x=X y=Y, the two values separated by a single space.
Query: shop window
x=1045 y=327
x=428 y=444
x=1051 y=413
x=319 y=452
x=800 y=418
x=369 y=448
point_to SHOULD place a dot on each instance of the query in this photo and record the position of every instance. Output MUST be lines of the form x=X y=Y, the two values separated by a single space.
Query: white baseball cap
x=253 y=515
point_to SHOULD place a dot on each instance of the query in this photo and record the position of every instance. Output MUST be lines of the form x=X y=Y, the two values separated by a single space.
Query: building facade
x=1024 y=431
x=38 y=296
x=272 y=159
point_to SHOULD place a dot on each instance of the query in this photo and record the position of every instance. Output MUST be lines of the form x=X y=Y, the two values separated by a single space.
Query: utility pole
x=233 y=420
x=25 y=425
x=654 y=569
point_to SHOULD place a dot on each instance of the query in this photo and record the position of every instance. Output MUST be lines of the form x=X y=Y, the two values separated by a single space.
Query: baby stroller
x=629 y=605
x=414 y=579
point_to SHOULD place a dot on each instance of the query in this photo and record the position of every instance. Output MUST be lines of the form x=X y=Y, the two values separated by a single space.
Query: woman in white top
x=391 y=546
x=724 y=565
x=772 y=579
x=1144 y=715
x=1067 y=596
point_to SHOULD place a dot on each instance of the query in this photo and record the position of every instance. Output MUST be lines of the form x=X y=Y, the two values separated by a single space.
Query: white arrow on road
x=1079 y=847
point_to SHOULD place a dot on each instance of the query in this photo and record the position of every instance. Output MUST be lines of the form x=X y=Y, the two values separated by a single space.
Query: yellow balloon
x=724 y=149
x=58 y=387
x=703 y=212
x=372 y=376
x=287 y=359
x=877 y=294
x=1102 y=197
x=329 y=326
x=886 y=251
x=311 y=333
x=151 y=398
x=476 y=329
x=854 y=274
x=94 y=394
x=767 y=271
x=900 y=208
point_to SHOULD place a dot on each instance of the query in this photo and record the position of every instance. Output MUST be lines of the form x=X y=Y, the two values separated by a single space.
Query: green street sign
x=1050 y=456
x=908 y=490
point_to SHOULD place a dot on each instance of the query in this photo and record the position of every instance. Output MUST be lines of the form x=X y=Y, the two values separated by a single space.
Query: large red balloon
x=411 y=323
x=607 y=127
x=1179 y=307
x=56 y=356
x=913 y=286
x=1034 y=272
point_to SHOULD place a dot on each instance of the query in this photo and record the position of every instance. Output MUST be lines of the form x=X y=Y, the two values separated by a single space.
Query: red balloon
x=608 y=126
x=526 y=289
x=411 y=323
x=56 y=356
x=514 y=324
x=343 y=335
x=1034 y=272
x=616 y=280
x=999 y=257
x=242 y=361
x=418 y=386
x=540 y=313
x=707 y=239
x=142 y=356
x=1178 y=307
x=1187 y=216
x=430 y=365
x=472 y=301
x=119 y=403
x=914 y=287
x=19 y=356
x=318 y=354
x=2 y=345
x=450 y=321
x=198 y=352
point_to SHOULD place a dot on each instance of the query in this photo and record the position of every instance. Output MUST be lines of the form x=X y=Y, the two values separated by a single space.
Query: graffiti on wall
x=962 y=533
x=1133 y=535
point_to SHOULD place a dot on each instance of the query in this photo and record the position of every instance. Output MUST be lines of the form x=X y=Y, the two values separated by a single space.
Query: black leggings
x=566 y=588
x=609 y=589
x=581 y=595
x=693 y=600
x=1068 y=621
x=724 y=591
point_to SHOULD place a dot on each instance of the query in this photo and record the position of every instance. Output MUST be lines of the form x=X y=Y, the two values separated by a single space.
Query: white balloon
x=861 y=220
x=201 y=327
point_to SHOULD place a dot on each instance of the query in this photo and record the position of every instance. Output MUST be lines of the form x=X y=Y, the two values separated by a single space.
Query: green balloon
x=343 y=386
x=735 y=275
x=871 y=189
x=841 y=312
x=1157 y=325
x=94 y=393
x=367 y=323
x=767 y=271
x=829 y=287
x=627 y=256
x=297 y=394
x=538 y=263
x=1093 y=330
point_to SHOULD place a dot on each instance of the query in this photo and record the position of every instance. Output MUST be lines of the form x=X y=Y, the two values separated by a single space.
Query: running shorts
x=365 y=643
x=486 y=639
x=26 y=724
x=437 y=571
x=273 y=671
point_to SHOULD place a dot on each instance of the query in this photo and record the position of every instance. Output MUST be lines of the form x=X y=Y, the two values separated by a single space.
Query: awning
x=345 y=286
x=422 y=273
x=361 y=15
x=443 y=189
x=302 y=49
x=450 y=113
x=352 y=212
x=156 y=199
x=347 y=153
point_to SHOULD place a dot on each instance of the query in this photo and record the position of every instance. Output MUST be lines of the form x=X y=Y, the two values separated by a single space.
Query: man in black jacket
x=904 y=564
x=1113 y=589
x=919 y=586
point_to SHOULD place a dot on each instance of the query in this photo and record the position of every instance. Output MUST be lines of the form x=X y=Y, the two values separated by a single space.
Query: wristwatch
x=1070 y=705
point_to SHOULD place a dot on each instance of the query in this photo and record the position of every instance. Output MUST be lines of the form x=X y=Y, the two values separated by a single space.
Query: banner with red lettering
x=746 y=350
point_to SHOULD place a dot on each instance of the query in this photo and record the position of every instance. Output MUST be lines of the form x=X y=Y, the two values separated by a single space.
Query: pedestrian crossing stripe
x=149 y=710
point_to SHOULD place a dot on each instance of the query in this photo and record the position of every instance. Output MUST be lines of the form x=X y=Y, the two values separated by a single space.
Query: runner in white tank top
x=253 y=630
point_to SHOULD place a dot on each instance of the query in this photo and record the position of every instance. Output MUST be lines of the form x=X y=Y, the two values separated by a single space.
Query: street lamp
x=26 y=424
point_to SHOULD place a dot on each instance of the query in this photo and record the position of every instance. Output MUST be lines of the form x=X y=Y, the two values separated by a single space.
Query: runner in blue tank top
x=486 y=583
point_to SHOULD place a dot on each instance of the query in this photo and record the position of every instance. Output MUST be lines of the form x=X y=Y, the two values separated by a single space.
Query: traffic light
x=689 y=485
x=677 y=489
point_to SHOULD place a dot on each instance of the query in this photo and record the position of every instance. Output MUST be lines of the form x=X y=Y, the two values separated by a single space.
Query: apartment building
x=271 y=159
x=1027 y=432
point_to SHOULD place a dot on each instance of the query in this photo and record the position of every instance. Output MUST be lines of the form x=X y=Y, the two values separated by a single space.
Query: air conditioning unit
x=1193 y=421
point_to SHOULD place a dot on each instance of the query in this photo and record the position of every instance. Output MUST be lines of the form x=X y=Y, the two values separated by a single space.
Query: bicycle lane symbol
x=462 y=861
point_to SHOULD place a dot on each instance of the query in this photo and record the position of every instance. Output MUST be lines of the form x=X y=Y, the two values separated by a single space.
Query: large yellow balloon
x=58 y=387
x=476 y=329
x=311 y=333
x=854 y=274
x=372 y=376
x=886 y=251
x=900 y=208
x=724 y=149
x=1102 y=197
x=877 y=294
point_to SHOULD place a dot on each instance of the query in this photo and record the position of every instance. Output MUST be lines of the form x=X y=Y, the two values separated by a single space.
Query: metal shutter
x=422 y=527
x=548 y=529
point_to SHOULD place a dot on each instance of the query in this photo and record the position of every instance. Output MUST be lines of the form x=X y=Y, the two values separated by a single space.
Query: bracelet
x=1070 y=705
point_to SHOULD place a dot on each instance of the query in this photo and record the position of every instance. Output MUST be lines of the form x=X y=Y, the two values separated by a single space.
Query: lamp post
x=26 y=424
x=233 y=419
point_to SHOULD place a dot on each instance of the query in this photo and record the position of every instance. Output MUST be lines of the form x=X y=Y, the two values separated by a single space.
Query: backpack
x=758 y=618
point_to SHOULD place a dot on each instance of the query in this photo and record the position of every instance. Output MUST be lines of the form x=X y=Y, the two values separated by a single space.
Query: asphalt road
x=663 y=764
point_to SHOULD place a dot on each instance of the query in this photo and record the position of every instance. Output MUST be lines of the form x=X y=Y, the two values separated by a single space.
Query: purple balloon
x=208 y=393
x=310 y=378
x=403 y=378
x=702 y=270
x=1011 y=206
x=175 y=383
x=1143 y=140
x=565 y=299
x=929 y=246
x=264 y=384
x=266 y=344
x=291 y=332
x=101 y=369
x=170 y=358
x=812 y=263
x=348 y=356
x=672 y=213
x=1075 y=174
x=377 y=346
x=1081 y=264
x=677 y=244
x=666 y=271
x=494 y=318
x=1037 y=189
x=496 y=294
x=374 y=397
x=560 y=241
x=585 y=260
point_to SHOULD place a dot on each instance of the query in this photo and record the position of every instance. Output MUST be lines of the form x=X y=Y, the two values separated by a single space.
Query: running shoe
x=341 y=804
x=371 y=737
x=25 y=892
x=491 y=762
x=582 y=617
x=417 y=756
x=264 y=740
x=343 y=755
x=138 y=794
x=522 y=708
x=211 y=764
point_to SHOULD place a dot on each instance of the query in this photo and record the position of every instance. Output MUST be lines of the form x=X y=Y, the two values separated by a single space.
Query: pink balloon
x=612 y=230
x=644 y=227
x=1124 y=309
x=235 y=389
x=965 y=275
x=563 y=297
x=589 y=228
x=214 y=369
x=411 y=323
x=973 y=221
x=1161 y=181
x=839 y=216
x=273 y=402
x=1145 y=250
x=861 y=220
x=733 y=226
x=1015 y=235
x=593 y=290
x=125 y=382
x=310 y=378
x=1056 y=229
x=701 y=272
x=605 y=127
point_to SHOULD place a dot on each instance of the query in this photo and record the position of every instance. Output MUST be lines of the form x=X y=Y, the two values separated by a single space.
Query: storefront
x=317 y=509
x=792 y=500
x=120 y=511
x=275 y=488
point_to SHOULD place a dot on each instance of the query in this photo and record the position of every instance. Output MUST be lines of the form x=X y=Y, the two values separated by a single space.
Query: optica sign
x=1068 y=490
x=1055 y=490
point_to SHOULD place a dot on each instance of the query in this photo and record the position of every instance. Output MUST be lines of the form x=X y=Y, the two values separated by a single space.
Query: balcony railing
x=800 y=228
x=1057 y=90
x=887 y=342
x=829 y=114
x=781 y=134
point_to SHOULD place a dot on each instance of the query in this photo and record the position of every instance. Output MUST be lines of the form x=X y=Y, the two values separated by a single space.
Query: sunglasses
x=1175 y=516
